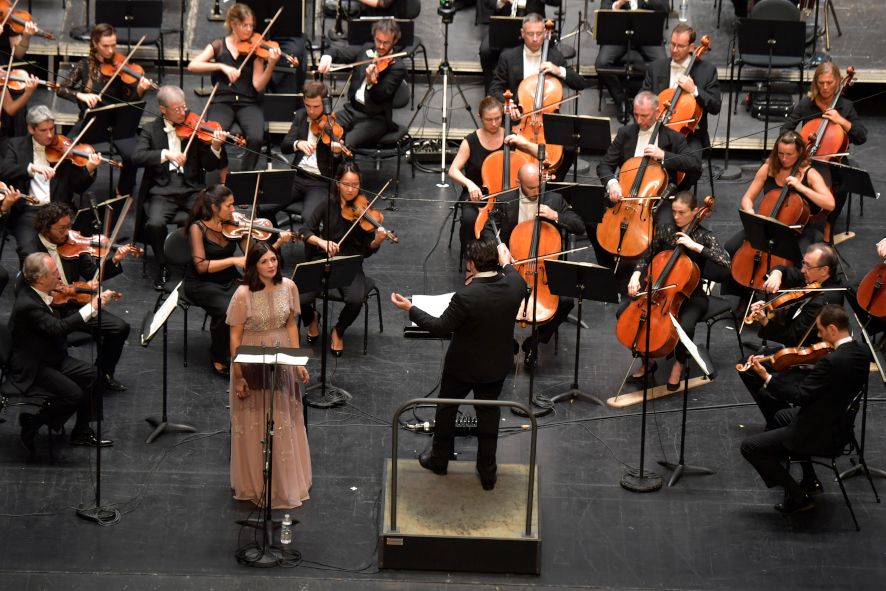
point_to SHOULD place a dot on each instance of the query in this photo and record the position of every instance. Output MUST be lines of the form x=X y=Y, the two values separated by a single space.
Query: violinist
x=467 y=165
x=239 y=91
x=815 y=424
x=26 y=166
x=327 y=240
x=701 y=83
x=18 y=43
x=701 y=246
x=12 y=117
x=488 y=54
x=368 y=113
x=554 y=209
x=53 y=224
x=172 y=178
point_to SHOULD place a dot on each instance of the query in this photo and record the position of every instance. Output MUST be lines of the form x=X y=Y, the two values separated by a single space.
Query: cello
x=687 y=113
x=823 y=136
x=672 y=277
x=870 y=295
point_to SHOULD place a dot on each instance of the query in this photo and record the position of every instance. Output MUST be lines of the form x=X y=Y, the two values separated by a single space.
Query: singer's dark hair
x=251 y=277
x=49 y=214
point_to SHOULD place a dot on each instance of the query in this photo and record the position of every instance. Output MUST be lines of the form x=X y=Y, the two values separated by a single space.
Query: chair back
x=360 y=31
x=844 y=427
x=281 y=107
x=776 y=10
x=401 y=97
x=134 y=14
x=5 y=346
x=177 y=248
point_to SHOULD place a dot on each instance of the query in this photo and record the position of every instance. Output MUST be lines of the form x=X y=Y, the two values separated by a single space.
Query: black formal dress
x=480 y=318
x=308 y=186
x=473 y=170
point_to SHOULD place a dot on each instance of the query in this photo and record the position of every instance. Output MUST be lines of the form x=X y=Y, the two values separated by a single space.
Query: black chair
x=134 y=18
x=177 y=250
x=279 y=108
x=371 y=291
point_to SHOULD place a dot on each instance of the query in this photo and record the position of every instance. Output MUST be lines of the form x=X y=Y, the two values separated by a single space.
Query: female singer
x=239 y=92
x=263 y=311
x=212 y=276
x=327 y=240
x=702 y=247
x=473 y=150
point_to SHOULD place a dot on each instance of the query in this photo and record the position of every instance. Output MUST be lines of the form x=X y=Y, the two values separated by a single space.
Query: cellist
x=701 y=82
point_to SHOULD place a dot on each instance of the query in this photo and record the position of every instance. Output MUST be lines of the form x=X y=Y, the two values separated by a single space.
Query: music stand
x=770 y=236
x=581 y=132
x=321 y=276
x=274 y=187
x=852 y=180
x=291 y=21
x=504 y=31
x=581 y=281
x=114 y=123
x=152 y=322
x=630 y=28
x=680 y=468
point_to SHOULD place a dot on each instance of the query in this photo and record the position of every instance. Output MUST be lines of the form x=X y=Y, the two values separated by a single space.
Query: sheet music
x=163 y=313
x=434 y=305
x=270 y=359
x=690 y=346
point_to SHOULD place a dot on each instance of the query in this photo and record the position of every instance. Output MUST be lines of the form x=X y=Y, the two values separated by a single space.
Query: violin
x=823 y=136
x=327 y=130
x=97 y=245
x=381 y=65
x=544 y=93
x=206 y=130
x=130 y=73
x=263 y=48
x=261 y=228
x=16 y=80
x=370 y=219
x=870 y=295
x=686 y=112
x=78 y=292
x=671 y=277
x=783 y=300
x=791 y=356
x=4 y=190
x=18 y=19
x=79 y=154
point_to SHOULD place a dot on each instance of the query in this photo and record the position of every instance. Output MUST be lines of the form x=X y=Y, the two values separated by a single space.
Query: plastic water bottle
x=684 y=11
x=286 y=530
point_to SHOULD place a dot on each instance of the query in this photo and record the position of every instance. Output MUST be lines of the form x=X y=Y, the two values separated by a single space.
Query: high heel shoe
x=309 y=337
x=335 y=352
x=649 y=371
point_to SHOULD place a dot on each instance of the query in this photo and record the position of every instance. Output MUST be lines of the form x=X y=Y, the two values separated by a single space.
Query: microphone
x=94 y=207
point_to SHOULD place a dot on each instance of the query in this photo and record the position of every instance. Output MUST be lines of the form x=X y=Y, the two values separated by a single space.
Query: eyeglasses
x=178 y=109
x=809 y=267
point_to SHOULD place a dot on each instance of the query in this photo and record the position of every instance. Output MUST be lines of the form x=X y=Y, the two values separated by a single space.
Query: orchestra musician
x=701 y=83
x=610 y=56
x=466 y=167
x=488 y=54
x=25 y=166
x=172 y=178
x=702 y=247
x=367 y=114
x=480 y=318
x=813 y=426
x=238 y=97
x=12 y=117
x=17 y=43
x=553 y=208
x=52 y=224
x=327 y=240
x=85 y=82
x=40 y=359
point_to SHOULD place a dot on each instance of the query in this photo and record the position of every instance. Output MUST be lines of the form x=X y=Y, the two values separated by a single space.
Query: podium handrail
x=395 y=432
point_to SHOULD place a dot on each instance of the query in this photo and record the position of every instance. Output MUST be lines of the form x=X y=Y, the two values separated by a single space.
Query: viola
x=686 y=112
x=262 y=48
x=370 y=220
x=824 y=137
x=4 y=190
x=18 y=19
x=791 y=356
x=79 y=154
x=870 y=295
x=16 y=80
x=327 y=130
x=78 y=292
x=784 y=299
x=671 y=277
x=261 y=228
x=97 y=245
x=206 y=130
x=130 y=73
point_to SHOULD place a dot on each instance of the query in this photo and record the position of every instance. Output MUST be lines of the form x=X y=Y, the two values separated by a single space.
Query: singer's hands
x=302 y=372
x=241 y=388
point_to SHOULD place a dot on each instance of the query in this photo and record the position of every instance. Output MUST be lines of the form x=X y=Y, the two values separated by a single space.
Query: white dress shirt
x=680 y=69
x=39 y=183
x=52 y=249
x=532 y=63
x=87 y=313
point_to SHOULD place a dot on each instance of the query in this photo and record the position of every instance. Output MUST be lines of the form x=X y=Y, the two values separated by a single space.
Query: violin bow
x=201 y=119
x=6 y=19
x=113 y=237
x=260 y=39
x=252 y=217
x=547 y=256
x=8 y=73
x=121 y=66
x=390 y=56
x=362 y=213
x=74 y=142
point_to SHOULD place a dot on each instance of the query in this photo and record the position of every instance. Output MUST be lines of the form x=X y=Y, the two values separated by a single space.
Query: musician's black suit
x=480 y=318
x=678 y=157
x=307 y=188
x=508 y=73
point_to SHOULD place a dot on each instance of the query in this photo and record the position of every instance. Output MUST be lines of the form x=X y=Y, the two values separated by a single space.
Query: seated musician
x=12 y=117
x=52 y=224
x=238 y=97
x=472 y=152
x=701 y=246
x=17 y=43
x=488 y=54
x=367 y=115
x=775 y=173
x=811 y=428
x=172 y=177
x=86 y=81
x=610 y=56
x=328 y=241
x=394 y=8
x=701 y=83
x=40 y=360
x=553 y=208
x=25 y=166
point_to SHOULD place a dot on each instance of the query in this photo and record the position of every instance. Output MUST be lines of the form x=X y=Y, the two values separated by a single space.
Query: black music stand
x=583 y=281
x=291 y=20
x=770 y=236
x=274 y=188
x=680 y=467
x=631 y=28
x=584 y=133
x=852 y=181
x=152 y=322
x=321 y=276
x=504 y=31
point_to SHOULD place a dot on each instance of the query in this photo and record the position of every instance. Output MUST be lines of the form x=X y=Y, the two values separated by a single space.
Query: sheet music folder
x=434 y=305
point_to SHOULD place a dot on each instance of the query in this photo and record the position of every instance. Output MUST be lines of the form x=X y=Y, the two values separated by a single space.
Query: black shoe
x=427 y=462
x=111 y=384
x=30 y=426
x=649 y=371
x=487 y=483
x=673 y=387
x=311 y=338
x=622 y=111
x=812 y=486
x=336 y=352
x=161 y=279
x=88 y=438
x=793 y=505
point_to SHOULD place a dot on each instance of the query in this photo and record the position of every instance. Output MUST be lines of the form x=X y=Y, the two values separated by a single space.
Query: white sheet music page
x=434 y=305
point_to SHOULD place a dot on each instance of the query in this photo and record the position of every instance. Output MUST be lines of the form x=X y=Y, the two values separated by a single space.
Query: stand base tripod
x=100 y=515
x=537 y=411
x=162 y=426
x=681 y=469
x=859 y=469
x=575 y=394
x=648 y=482
x=334 y=396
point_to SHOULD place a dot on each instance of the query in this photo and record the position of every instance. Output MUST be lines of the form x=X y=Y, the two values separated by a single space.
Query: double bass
x=826 y=139
x=672 y=277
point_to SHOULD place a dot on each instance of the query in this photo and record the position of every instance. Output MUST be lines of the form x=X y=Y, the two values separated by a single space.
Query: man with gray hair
x=26 y=167
x=40 y=360
x=174 y=173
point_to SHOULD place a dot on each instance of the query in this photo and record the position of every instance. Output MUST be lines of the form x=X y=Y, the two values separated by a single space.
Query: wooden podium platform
x=449 y=523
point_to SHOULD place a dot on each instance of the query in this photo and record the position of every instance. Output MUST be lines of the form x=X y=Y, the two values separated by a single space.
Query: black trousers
x=546 y=330
x=251 y=119
x=20 y=222
x=353 y=296
x=768 y=453
x=309 y=190
x=161 y=210
x=488 y=61
x=361 y=130
x=4 y=278
x=214 y=298
x=70 y=390
x=114 y=331
x=696 y=146
x=610 y=56
x=126 y=180
x=487 y=423
x=769 y=405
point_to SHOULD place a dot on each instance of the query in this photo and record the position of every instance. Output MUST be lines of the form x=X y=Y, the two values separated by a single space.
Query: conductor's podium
x=449 y=523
